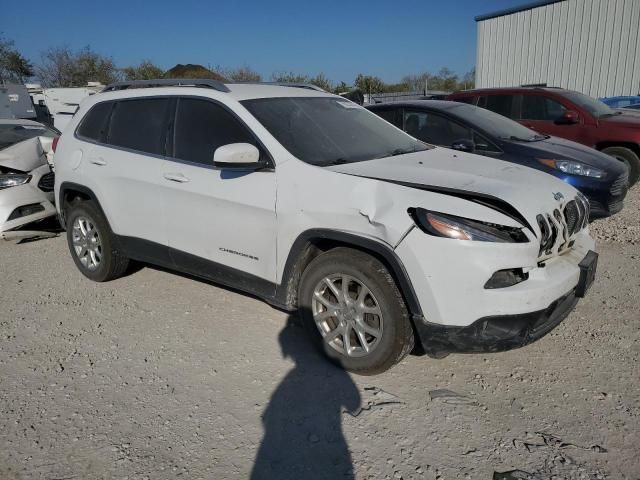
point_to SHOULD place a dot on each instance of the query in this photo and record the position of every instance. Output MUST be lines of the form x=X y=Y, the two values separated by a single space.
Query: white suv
x=313 y=203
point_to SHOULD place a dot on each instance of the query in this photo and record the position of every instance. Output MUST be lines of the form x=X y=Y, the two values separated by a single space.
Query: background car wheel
x=631 y=160
x=353 y=311
x=91 y=243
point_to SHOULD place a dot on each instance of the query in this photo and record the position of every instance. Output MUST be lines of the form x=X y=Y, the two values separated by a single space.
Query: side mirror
x=569 y=117
x=464 y=145
x=238 y=156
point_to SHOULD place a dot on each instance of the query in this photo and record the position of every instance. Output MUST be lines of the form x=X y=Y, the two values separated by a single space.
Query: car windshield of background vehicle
x=591 y=105
x=494 y=124
x=10 y=134
x=329 y=131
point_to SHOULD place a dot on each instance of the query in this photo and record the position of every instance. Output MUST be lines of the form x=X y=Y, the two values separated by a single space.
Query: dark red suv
x=567 y=114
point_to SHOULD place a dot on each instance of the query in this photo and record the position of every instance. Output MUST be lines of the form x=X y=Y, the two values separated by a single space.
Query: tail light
x=54 y=144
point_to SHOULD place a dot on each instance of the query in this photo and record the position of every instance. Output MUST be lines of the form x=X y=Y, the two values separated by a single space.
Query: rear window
x=95 y=122
x=140 y=125
x=10 y=134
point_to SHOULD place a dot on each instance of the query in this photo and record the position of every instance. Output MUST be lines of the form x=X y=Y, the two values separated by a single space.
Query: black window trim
x=170 y=134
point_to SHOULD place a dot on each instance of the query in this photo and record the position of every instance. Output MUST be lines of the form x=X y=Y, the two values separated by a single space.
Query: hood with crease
x=23 y=156
x=447 y=171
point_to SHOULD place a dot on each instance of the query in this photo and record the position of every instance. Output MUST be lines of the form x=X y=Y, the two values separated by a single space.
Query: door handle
x=176 y=177
x=98 y=161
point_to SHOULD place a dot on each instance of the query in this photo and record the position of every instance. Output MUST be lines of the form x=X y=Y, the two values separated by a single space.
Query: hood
x=559 y=148
x=23 y=156
x=622 y=119
x=519 y=192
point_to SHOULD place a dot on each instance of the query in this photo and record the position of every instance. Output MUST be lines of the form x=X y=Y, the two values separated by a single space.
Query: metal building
x=592 y=46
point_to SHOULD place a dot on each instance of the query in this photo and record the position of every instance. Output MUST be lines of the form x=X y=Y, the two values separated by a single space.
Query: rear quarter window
x=94 y=124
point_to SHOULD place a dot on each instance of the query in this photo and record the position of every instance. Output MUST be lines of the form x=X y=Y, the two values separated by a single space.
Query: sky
x=340 y=39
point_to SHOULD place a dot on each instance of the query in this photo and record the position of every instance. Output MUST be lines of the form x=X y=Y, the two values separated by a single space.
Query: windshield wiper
x=518 y=139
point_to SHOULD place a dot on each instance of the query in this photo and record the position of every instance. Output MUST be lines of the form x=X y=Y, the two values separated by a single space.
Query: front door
x=220 y=222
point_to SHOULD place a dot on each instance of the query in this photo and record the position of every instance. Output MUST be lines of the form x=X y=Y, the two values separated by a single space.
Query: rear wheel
x=629 y=158
x=91 y=243
x=354 y=312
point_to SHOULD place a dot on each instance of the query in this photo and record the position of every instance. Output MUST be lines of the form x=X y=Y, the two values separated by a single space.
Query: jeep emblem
x=558 y=196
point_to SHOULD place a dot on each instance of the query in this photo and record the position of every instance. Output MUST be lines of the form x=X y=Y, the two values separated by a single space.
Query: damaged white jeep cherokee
x=311 y=202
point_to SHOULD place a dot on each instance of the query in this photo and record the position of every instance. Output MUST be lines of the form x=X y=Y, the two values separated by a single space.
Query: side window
x=390 y=115
x=140 y=125
x=501 y=104
x=203 y=126
x=538 y=107
x=433 y=128
x=95 y=122
x=484 y=145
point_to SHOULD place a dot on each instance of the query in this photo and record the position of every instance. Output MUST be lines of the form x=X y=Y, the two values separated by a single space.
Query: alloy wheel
x=86 y=243
x=347 y=315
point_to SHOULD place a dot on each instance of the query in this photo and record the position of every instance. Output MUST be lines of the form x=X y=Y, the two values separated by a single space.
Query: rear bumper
x=496 y=333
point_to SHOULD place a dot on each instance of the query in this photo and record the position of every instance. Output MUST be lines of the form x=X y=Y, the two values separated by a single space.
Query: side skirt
x=182 y=262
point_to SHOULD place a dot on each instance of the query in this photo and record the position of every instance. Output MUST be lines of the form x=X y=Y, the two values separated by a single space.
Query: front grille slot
x=558 y=228
x=46 y=182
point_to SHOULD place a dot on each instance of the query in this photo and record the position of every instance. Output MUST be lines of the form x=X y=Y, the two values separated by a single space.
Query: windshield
x=593 y=106
x=12 y=133
x=495 y=124
x=328 y=131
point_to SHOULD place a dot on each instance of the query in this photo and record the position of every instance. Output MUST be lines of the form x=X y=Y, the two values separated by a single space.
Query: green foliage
x=241 y=74
x=13 y=66
x=62 y=67
x=369 y=84
x=145 y=71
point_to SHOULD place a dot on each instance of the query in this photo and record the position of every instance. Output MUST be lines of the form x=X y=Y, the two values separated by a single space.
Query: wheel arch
x=69 y=192
x=312 y=243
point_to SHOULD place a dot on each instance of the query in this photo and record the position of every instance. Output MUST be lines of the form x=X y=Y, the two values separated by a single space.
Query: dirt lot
x=160 y=376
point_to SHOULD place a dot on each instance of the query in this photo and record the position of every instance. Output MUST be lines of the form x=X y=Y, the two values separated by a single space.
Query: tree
x=289 y=77
x=342 y=87
x=417 y=83
x=145 y=71
x=242 y=74
x=369 y=84
x=13 y=66
x=62 y=67
x=468 y=80
x=320 y=80
x=191 y=70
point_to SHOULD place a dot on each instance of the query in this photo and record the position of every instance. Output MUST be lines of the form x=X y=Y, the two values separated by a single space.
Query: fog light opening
x=506 y=278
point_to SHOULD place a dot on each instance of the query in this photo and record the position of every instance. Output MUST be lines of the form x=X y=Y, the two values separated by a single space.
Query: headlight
x=459 y=228
x=573 y=168
x=13 y=179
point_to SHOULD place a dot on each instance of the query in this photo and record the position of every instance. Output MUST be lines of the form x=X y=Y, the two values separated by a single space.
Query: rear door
x=217 y=215
x=125 y=166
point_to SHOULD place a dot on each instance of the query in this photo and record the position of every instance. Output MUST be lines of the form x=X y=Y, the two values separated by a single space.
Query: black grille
x=46 y=182
x=619 y=187
x=572 y=217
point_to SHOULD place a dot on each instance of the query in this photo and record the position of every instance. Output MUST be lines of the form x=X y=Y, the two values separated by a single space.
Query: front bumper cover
x=495 y=333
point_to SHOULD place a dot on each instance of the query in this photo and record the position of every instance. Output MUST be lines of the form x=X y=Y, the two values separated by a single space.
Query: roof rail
x=309 y=86
x=168 y=82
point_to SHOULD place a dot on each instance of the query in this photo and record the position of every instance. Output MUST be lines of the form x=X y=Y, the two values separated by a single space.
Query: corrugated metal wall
x=592 y=46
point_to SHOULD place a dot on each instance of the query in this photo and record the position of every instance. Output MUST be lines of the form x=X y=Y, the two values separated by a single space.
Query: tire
x=91 y=243
x=389 y=333
x=630 y=158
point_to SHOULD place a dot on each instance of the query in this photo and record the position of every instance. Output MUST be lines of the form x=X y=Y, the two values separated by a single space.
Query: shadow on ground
x=303 y=435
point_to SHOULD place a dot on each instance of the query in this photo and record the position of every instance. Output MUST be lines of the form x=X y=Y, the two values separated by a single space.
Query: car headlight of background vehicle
x=13 y=180
x=459 y=228
x=573 y=168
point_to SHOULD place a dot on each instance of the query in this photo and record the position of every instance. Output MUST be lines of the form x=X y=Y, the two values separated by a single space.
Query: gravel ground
x=159 y=376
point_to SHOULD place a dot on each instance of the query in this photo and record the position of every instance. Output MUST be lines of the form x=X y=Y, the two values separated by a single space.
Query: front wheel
x=353 y=311
x=629 y=158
